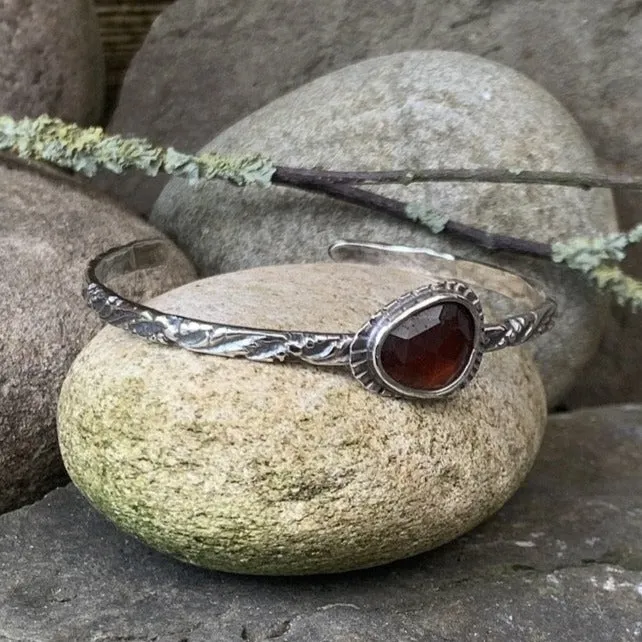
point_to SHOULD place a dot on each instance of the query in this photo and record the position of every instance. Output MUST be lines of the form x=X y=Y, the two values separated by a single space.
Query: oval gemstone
x=430 y=349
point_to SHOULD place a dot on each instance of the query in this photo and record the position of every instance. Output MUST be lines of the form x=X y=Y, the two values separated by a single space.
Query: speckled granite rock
x=52 y=60
x=249 y=52
x=49 y=229
x=409 y=110
x=561 y=561
x=282 y=469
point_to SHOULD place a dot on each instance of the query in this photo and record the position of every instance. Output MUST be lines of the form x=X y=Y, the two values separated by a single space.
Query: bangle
x=425 y=344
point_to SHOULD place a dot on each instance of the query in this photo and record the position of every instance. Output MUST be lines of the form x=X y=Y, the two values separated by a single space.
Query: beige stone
x=49 y=229
x=290 y=469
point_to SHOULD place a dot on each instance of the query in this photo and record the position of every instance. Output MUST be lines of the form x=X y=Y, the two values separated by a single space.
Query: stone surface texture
x=52 y=60
x=246 y=53
x=49 y=229
x=288 y=469
x=409 y=110
x=561 y=561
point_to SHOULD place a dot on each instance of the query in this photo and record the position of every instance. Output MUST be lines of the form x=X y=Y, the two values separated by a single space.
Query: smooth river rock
x=416 y=109
x=283 y=469
x=52 y=60
x=49 y=229
x=249 y=52
x=205 y=65
x=560 y=561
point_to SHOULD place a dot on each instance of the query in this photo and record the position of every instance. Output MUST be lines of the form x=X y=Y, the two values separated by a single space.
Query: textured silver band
x=453 y=279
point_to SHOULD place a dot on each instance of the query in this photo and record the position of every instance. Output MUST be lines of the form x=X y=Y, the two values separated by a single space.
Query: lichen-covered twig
x=598 y=259
x=410 y=211
x=586 y=254
x=86 y=150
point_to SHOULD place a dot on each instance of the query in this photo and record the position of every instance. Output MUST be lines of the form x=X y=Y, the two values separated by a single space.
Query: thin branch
x=398 y=209
x=461 y=175
x=86 y=150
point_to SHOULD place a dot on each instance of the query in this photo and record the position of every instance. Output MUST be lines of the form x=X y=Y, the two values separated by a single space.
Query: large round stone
x=416 y=109
x=290 y=469
x=52 y=59
x=49 y=229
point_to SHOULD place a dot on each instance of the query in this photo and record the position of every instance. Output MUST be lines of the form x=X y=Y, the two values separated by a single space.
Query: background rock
x=49 y=229
x=614 y=375
x=408 y=110
x=561 y=561
x=52 y=60
x=285 y=469
x=205 y=65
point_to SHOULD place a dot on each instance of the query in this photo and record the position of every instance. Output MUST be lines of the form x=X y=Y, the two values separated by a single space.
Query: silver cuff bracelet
x=425 y=344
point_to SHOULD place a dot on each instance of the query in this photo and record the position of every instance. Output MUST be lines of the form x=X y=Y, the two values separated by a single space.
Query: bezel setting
x=365 y=349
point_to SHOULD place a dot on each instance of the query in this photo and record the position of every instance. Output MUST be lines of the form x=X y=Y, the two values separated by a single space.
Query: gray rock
x=561 y=561
x=214 y=63
x=614 y=374
x=52 y=60
x=319 y=474
x=49 y=229
x=412 y=109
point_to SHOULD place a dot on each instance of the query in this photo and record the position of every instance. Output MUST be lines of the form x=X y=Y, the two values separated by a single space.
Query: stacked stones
x=586 y=54
x=278 y=469
x=311 y=443
x=50 y=225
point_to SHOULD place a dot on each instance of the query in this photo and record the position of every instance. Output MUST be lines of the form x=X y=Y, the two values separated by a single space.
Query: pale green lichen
x=596 y=257
x=624 y=288
x=86 y=150
x=585 y=254
x=421 y=213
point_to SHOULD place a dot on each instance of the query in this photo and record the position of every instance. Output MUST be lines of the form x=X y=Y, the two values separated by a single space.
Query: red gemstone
x=430 y=349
